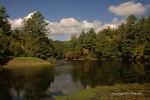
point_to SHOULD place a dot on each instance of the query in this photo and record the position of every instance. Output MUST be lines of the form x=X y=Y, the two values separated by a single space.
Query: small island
x=26 y=62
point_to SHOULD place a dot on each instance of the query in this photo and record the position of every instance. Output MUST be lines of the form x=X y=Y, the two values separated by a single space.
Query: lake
x=68 y=78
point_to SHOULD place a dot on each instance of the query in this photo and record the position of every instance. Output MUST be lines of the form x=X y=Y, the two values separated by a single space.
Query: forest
x=130 y=41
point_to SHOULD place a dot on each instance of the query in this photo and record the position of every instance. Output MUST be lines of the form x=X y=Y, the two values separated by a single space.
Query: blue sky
x=80 y=10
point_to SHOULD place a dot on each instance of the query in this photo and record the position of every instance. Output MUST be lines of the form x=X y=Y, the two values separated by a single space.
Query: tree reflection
x=4 y=86
x=108 y=73
x=27 y=84
x=135 y=72
x=34 y=84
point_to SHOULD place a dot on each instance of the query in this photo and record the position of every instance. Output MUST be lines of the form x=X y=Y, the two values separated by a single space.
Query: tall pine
x=36 y=41
x=5 y=31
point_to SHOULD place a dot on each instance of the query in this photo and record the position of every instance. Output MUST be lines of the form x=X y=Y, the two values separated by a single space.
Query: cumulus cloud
x=128 y=8
x=116 y=22
x=17 y=23
x=66 y=27
x=29 y=15
x=69 y=22
x=72 y=26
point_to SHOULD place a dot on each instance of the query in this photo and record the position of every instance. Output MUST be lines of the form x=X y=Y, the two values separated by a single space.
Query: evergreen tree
x=5 y=31
x=37 y=43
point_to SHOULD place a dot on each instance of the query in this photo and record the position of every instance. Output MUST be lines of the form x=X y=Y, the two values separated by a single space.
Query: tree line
x=129 y=41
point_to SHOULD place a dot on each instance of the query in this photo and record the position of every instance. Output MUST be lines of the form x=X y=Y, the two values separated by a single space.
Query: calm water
x=68 y=78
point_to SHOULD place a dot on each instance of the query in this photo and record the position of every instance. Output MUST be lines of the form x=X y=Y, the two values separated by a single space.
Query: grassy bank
x=117 y=92
x=23 y=62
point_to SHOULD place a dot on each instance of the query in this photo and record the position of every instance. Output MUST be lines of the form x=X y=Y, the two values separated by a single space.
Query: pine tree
x=5 y=31
x=36 y=42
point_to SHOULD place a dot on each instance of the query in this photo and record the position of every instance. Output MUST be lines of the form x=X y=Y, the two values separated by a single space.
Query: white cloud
x=72 y=26
x=67 y=27
x=69 y=22
x=114 y=24
x=29 y=15
x=128 y=8
x=17 y=23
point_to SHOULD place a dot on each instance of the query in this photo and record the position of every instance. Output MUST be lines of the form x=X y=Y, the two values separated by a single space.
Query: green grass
x=25 y=62
x=117 y=92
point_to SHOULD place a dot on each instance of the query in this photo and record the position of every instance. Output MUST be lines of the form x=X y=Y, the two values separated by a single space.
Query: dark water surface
x=68 y=78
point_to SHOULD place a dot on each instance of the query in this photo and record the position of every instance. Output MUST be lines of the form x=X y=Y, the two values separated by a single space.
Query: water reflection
x=135 y=72
x=25 y=84
x=91 y=74
x=63 y=84
x=66 y=79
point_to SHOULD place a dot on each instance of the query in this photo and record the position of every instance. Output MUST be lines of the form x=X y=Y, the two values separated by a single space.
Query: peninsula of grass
x=116 y=92
x=25 y=62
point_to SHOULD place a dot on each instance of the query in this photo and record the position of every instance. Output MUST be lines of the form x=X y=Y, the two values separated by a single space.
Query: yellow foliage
x=85 y=51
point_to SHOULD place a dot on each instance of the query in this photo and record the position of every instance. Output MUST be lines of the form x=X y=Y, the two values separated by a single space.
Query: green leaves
x=4 y=33
x=129 y=41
